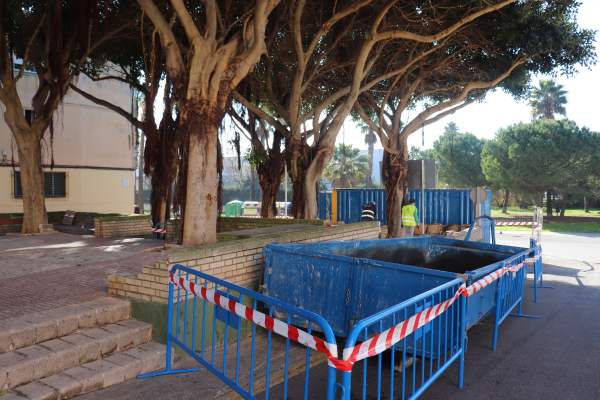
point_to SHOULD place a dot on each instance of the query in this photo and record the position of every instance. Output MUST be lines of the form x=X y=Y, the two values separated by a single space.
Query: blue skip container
x=346 y=282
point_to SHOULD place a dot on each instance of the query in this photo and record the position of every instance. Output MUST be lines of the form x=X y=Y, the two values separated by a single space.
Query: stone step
x=47 y=358
x=39 y=327
x=94 y=375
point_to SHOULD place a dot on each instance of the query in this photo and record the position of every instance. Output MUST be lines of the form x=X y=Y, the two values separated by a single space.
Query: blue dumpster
x=348 y=281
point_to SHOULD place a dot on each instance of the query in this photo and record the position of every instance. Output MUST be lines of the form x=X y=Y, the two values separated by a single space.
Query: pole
x=285 y=191
x=140 y=171
x=422 y=181
x=422 y=196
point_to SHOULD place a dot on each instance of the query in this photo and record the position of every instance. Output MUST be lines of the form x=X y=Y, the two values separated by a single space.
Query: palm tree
x=548 y=99
x=347 y=168
x=370 y=140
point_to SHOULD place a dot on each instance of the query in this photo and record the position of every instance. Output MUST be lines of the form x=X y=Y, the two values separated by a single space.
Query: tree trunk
x=548 y=203
x=269 y=188
x=220 y=175
x=395 y=181
x=370 y=169
x=586 y=207
x=297 y=160
x=313 y=174
x=505 y=201
x=140 y=171
x=201 y=204
x=270 y=174
x=32 y=181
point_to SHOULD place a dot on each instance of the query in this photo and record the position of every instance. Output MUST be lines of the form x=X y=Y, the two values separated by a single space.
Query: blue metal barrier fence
x=425 y=354
x=216 y=337
x=442 y=206
x=222 y=336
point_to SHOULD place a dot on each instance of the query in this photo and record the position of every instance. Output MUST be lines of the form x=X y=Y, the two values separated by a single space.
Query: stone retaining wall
x=237 y=261
x=140 y=225
x=133 y=225
x=9 y=228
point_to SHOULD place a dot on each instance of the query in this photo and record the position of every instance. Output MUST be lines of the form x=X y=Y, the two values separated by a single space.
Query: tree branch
x=167 y=37
x=401 y=34
x=28 y=48
x=259 y=113
x=467 y=89
x=125 y=114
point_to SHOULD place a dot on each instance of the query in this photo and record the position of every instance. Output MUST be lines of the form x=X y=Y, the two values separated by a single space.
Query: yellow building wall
x=88 y=190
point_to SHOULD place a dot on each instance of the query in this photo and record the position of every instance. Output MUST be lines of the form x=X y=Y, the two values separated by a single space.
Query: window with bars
x=55 y=184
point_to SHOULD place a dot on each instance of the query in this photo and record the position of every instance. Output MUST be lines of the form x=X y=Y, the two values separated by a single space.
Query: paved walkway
x=41 y=272
x=555 y=357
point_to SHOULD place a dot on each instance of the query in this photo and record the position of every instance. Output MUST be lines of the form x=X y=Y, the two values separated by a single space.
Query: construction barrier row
x=215 y=323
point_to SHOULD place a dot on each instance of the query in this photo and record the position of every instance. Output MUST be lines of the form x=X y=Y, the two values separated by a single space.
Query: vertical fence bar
x=185 y=313
x=252 y=344
x=203 y=333
x=268 y=369
x=169 y=349
x=307 y=365
x=194 y=309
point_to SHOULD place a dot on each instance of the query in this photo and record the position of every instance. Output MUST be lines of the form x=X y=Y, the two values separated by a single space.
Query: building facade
x=92 y=147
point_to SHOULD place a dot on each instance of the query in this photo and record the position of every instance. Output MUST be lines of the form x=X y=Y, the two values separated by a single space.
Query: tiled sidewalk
x=41 y=272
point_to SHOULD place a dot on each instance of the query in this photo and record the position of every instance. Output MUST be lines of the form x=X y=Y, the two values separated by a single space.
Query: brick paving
x=42 y=272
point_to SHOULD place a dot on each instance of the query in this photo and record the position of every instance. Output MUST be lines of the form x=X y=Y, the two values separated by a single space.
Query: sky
x=499 y=109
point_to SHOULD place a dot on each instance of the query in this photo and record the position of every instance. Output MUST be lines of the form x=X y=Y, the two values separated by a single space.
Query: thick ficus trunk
x=297 y=160
x=201 y=203
x=270 y=174
x=505 y=201
x=269 y=188
x=32 y=181
x=313 y=174
x=220 y=177
x=158 y=197
x=395 y=181
x=549 y=203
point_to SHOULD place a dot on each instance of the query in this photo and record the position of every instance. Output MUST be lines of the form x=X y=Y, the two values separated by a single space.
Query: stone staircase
x=65 y=352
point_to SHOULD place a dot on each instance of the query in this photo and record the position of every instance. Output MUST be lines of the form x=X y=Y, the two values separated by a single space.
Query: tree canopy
x=459 y=158
x=545 y=155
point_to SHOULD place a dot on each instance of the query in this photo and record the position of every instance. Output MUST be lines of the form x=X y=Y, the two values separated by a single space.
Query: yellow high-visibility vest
x=409 y=215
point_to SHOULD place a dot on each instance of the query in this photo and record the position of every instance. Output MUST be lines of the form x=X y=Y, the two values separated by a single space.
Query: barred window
x=55 y=184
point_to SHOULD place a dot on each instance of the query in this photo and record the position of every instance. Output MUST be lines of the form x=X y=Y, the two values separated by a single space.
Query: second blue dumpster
x=348 y=281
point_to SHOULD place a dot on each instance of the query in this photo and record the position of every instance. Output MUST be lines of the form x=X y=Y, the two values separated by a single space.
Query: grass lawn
x=560 y=227
x=574 y=212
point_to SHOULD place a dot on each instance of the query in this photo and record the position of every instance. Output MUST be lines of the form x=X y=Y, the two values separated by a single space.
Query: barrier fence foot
x=542 y=287
x=167 y=372
x=525 y=316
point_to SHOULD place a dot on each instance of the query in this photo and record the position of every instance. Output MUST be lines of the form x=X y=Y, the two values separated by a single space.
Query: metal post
x=334 y=216
x=346 y=385
x=169 y=344
x=422 y=196
x=285 y=189
x=463 y=341
x=140 y=172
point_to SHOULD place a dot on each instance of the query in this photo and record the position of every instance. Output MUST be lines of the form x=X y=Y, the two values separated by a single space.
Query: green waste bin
x=233 y=208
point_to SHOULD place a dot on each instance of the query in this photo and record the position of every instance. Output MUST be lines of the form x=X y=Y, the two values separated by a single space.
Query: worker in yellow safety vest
x=410 y=218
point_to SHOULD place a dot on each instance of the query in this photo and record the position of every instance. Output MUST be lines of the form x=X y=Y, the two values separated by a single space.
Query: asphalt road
x=569 y=246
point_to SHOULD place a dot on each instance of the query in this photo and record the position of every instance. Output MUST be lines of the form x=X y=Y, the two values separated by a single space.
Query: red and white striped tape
x=386 y=339
x=514 y=223
x=249 y=314
x=370 y=347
